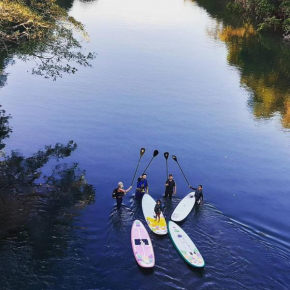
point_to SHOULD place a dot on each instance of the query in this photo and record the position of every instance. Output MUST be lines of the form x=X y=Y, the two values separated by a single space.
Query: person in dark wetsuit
x=158 y=210
x=170 y=186
x=198 y=194
x=120 y=193
x=142 y=186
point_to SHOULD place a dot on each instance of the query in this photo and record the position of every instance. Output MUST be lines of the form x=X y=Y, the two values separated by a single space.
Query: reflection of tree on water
x=38 y=216
x=41 y=31
x=263 y=62
x=264 y=67
x=35 y=219
x=66 y=4
x=4 y=60
x=4 y=127
x=66 y=185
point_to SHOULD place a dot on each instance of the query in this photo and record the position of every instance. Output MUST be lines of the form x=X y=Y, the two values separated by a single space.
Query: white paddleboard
x=142 y=245
x=148 y=204
x=185 y=246
x=184 y=207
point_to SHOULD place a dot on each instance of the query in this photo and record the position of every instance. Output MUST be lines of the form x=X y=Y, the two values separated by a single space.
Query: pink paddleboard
x=142 y=246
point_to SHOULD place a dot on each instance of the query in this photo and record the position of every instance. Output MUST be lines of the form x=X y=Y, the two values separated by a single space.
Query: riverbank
x=267 y=16
x=271 y=15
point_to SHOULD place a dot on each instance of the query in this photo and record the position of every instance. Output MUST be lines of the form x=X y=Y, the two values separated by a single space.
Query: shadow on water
x=146 y=272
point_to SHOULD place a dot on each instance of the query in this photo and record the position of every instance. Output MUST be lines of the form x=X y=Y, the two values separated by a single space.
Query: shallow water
x=168 y=76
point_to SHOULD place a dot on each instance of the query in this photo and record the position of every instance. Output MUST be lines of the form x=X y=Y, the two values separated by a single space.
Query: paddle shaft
x=136 y=171
x=142 y=151
x=182 y=173
x=148 y=164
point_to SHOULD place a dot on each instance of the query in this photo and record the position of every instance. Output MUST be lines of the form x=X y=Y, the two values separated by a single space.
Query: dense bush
x=272 y=14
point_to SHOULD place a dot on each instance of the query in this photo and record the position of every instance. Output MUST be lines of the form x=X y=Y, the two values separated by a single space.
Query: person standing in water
x=120 y=194
x=158 y=210
x=198 y=194
x=170 y=186
x=142 y=186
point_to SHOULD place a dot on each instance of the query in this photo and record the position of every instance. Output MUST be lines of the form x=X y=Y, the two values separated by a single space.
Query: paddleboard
x=148 y=204
x=185 y=246
x=184 y=207
x=142 y=245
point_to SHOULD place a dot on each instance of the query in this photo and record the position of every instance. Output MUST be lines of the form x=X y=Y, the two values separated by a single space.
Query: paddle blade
x=166 y=155
x=142 y=151
x=174 y=158
x=155 y=153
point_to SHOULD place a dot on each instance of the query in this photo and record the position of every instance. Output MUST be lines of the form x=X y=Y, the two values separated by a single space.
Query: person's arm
x=129 y=188
x=193 y=188
x=174 y=189
x=147 y=188
x=125 y=191
x=166 y=184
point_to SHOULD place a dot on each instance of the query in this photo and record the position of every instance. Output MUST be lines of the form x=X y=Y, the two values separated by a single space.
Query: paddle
x=155 y=153
x=175 y=159
x=166 y=155
x=142 y=151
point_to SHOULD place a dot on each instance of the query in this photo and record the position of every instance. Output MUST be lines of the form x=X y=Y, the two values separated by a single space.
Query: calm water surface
x=169 y=75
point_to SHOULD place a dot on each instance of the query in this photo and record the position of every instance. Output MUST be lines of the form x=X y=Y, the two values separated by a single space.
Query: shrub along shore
x=271 y=14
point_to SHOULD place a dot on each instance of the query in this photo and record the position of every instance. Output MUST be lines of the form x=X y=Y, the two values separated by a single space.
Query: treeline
x=271 y=14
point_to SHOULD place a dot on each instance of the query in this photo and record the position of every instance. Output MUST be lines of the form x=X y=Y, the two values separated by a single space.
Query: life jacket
x=114 y=193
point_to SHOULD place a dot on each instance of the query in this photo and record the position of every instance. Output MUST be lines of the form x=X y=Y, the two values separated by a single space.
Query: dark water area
x=178 y=76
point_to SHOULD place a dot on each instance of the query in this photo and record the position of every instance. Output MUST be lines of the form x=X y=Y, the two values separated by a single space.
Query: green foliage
x=273 y=14
x=270 y=23
x=44 y=32
x=286 y=26
x=234 y=7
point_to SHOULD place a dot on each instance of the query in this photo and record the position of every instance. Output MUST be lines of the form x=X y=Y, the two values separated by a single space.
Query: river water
x=175 y=76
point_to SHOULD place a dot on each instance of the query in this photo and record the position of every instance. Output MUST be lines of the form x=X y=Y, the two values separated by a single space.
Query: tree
x=44 y=32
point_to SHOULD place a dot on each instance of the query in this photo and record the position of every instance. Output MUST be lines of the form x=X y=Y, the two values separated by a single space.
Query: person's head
x=120 y=184
x=200 y=187
x=158 y=201
x=170 y=176
x=144 y=176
